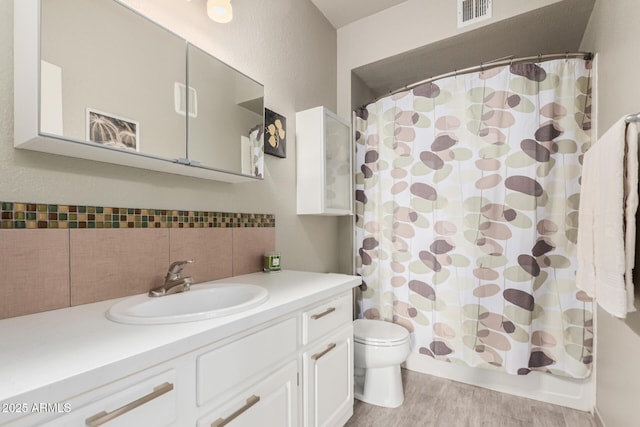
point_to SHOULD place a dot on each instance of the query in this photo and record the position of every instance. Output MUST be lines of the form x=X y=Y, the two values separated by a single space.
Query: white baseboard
x=571 y=393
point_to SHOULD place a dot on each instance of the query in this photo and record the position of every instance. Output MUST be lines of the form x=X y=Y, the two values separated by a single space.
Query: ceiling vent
x=472 y=11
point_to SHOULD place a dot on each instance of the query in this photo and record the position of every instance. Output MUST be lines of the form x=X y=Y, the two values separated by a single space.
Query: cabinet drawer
x=325 y=317
x=151 y=402
x=272 y=402
x=229 y=366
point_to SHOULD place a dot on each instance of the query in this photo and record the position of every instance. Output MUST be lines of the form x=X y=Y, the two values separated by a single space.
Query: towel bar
x=632 y=118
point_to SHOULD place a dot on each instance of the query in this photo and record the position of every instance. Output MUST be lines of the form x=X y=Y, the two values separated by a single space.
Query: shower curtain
x=467 y=196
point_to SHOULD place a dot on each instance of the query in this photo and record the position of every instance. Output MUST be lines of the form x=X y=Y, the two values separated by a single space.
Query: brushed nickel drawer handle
x=103 y=417
x=224 y=421
x=324 y=313
x=323 y=352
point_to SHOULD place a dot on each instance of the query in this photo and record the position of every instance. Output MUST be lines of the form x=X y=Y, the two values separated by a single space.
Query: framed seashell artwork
x=108 y=129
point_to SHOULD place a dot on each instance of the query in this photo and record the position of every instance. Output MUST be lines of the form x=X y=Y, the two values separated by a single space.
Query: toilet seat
x=379 y=333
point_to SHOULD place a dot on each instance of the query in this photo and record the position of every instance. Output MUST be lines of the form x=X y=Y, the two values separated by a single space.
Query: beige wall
x=285 y=44
x=406 y=26
x=613 y=33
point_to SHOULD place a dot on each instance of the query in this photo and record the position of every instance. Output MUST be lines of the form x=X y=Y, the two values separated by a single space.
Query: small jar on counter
x=271 y=261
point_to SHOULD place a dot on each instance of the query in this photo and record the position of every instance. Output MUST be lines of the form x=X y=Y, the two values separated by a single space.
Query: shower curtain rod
x=508 y=60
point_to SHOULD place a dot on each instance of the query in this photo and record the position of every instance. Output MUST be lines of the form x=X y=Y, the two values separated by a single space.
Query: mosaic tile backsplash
x=82 y=254
x=17 y=215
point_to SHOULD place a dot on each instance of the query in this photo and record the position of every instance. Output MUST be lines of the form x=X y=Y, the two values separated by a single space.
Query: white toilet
x=379 y=349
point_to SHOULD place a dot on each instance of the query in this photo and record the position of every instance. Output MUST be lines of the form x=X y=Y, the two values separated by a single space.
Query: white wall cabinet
x=291 y=371
x=324 y=163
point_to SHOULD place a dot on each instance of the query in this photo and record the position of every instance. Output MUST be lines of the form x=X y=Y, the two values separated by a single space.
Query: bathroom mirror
x=112 y=79
x=107 y=76
x=226 y=116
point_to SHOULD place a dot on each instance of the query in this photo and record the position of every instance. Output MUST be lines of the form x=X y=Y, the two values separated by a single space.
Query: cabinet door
x=225 y=132
x=328 y=376
x=324 y=156
x=270 y=403
x=338 y=173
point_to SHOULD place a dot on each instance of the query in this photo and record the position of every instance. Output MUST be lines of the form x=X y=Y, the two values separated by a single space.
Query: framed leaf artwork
x=275 y=134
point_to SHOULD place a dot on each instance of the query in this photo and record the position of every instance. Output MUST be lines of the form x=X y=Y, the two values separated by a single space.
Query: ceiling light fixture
x=220 y=10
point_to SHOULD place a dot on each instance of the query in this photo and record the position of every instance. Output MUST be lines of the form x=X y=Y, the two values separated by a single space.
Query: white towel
x=607 y=228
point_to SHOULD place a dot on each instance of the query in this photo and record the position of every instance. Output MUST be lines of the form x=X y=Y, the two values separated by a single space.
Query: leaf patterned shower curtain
x=466 y=200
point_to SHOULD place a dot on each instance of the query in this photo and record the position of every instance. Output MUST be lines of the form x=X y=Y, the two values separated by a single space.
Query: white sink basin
x=204 y=301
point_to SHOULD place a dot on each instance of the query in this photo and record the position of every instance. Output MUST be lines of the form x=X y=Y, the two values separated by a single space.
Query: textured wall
x=613 y=33
x=79 y=266
x=285 y=44
x=409 y=25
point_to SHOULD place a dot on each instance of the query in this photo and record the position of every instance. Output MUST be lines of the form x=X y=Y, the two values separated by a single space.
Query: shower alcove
x=548 y=27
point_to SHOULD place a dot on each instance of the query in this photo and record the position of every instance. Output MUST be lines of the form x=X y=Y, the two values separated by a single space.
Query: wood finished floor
x=435 y=402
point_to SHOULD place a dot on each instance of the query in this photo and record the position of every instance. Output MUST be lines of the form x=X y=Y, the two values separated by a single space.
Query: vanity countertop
x=59 y=347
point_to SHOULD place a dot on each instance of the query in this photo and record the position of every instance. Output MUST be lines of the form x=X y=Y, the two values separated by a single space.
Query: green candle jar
x=271 y=261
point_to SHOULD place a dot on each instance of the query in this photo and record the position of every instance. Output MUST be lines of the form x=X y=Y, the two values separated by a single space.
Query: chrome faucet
x=173 y=281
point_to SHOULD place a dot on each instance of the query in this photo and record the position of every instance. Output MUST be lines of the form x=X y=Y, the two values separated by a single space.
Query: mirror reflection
x=121 y=82
x=110 y=75
x=225 y=128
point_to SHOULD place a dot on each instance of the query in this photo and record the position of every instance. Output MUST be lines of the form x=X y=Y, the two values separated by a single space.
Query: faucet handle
x=175 y=268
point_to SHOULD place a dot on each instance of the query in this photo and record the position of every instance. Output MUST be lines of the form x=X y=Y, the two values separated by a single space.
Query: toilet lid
x=378 y=332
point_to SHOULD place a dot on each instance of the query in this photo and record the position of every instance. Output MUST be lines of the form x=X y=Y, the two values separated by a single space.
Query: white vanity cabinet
x=328 y=363
x=289 y=365
x=324 y=163
x=239 y=363
x=151 y=397
x=271 y=402
x=150 y=402
x=254 y=377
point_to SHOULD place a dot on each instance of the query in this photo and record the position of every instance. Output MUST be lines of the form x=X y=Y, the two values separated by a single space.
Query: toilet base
x=379 y=386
